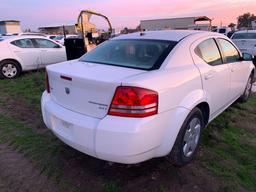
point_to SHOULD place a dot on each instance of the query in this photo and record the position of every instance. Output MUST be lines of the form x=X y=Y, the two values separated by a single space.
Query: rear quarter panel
x=5 y=51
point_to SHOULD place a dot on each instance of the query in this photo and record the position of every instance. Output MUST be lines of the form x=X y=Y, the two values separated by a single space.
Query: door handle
x=233 y=69
x=208 y=76
x=43 y=50
x=16 y=51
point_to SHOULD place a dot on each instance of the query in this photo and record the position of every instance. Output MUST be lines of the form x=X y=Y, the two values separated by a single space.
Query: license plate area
x=62 y=127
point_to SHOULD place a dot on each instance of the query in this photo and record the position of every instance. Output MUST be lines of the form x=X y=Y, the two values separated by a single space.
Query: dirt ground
x=89 y=174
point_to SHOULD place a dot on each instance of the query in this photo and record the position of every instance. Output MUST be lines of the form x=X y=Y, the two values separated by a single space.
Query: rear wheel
x=188 y=139
x=248 y=90
x=9 y=69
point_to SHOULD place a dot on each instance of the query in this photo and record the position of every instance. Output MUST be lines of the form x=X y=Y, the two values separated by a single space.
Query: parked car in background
x=245 y=41
x=145 y=95
x=229 y=35
x=223 y=30
x=23 y=53
x=61 y=39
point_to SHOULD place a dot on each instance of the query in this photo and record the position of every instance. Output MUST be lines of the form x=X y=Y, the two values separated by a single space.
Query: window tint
x=244 y=36
x=142 y=54
x=209 y=52
x=23 y=43
x=230 y=53
x=44 y=43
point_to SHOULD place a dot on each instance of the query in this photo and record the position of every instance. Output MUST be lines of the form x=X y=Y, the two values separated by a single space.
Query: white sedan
x=145 y=95
x=23 y=53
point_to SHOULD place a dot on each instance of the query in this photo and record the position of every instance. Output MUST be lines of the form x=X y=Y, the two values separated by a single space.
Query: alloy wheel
x=191 y=137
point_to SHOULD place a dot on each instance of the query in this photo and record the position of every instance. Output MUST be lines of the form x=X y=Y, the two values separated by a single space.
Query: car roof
x=246 y=31
x=17 y=37
x=170 y=35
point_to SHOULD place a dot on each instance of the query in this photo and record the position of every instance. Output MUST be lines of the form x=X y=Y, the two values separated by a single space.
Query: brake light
x=134 y=102
x=47 y=85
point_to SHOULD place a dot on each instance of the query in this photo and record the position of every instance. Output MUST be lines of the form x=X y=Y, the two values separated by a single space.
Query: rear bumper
x=115 y=139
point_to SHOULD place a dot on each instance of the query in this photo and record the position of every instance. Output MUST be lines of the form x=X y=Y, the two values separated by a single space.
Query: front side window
x=44 y=43
x=209 y=52
x=23 y=43
x=229 y=52
x=140 y=54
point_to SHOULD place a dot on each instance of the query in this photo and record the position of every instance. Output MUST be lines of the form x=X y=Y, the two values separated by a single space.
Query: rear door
x=238 y=68
x=215 y=74
x=50 y=52
x=24 y=49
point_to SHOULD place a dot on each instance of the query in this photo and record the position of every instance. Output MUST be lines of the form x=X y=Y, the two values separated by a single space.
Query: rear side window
x=23 y=43
x=244 y=36
x=209 y=52
x=139 y=54
x=44 y=43
x=229 y=52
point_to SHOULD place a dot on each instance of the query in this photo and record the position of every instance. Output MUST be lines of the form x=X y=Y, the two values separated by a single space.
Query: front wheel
x=248 y=90
x=188 y=139
x=9 y=69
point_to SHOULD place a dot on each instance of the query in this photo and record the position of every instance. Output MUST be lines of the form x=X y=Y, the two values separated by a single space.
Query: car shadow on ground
x=153 y=175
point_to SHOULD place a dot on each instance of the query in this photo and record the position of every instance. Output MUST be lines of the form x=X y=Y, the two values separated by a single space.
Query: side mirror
x=248 y=57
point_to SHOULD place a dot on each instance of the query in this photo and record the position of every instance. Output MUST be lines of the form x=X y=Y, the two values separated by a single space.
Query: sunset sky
x=36 y=13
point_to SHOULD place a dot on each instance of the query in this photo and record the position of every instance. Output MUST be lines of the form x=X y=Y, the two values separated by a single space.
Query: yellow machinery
x=87 y=29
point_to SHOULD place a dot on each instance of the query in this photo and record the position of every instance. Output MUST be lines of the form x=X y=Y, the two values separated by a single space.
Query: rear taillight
x=134 y=102
x=47 y=85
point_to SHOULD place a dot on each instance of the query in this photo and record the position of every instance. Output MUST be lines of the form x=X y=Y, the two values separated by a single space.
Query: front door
x=50 y=52
x=238 y=68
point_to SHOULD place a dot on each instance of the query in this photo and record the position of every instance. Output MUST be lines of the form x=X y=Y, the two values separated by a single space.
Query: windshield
x=244 y=36
x=139 y=54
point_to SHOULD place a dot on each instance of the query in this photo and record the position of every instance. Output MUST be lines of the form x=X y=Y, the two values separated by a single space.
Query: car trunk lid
x=86 y=88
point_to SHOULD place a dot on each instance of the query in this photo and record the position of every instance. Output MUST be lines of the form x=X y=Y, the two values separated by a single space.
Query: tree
x=245 y=20
x=232 y=25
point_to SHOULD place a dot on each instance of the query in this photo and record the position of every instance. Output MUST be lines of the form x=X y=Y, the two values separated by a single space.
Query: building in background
x=254 y=25
x=10 y=27
x=184 y=23
x=55 y=30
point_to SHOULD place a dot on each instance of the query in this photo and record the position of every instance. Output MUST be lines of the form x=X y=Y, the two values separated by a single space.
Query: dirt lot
x=32 y=159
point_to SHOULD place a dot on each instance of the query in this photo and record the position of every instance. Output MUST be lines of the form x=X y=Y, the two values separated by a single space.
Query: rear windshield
x=139 y=54
x=244 y=36
x=222 y=31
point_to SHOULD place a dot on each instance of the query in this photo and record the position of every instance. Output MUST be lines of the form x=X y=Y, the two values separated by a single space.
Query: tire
x=9 y=69
x=248 y=90
x=186 y=144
